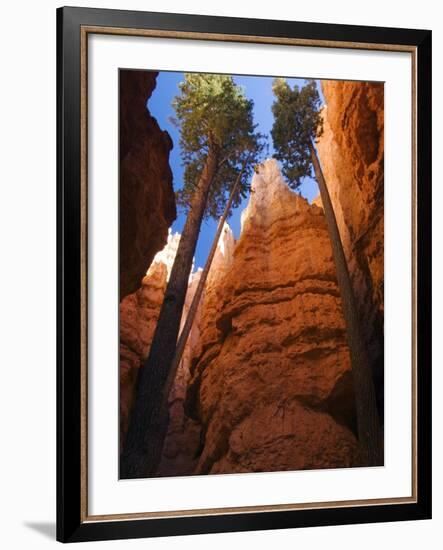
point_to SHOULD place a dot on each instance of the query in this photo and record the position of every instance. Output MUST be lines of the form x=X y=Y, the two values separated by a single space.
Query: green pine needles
x=297 y=122
x=212 y=112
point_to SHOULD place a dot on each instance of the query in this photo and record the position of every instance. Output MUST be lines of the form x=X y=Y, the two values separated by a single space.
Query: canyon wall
x=351 y=152
x=265 y=381
x=271 y=384
x=139 y=312
x=179 y=456
x=147 y=200
x=138 y=317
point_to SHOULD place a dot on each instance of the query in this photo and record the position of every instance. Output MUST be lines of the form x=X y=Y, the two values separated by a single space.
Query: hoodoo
x=271 y=382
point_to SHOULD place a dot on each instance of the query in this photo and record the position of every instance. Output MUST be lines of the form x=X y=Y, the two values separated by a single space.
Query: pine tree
x=193 y=308
x=297 y=124
x=217 y=134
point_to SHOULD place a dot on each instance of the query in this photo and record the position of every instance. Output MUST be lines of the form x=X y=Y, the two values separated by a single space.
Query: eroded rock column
x=271 y=380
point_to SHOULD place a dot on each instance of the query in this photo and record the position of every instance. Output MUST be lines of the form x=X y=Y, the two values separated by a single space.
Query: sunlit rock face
x=271 y=383
x=351 y=152
x=147 y=200
x=166 y=256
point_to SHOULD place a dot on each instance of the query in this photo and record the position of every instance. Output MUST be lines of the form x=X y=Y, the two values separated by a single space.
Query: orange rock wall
x=265 y=381
x=183 y=437
x=351 y=152
x=138 y=317
x=271 y=381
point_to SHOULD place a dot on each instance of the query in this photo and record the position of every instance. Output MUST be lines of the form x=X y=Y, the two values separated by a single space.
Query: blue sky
x=257 y=88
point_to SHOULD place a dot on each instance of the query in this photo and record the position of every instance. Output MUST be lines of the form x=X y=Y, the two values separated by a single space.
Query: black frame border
x=70 y=527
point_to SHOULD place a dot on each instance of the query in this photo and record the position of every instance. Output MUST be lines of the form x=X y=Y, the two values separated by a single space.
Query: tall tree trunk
x=369 y=432
x=183 y=338
x=149 y=421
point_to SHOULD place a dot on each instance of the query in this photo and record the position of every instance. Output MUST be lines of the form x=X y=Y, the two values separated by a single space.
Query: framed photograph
x=244 y=274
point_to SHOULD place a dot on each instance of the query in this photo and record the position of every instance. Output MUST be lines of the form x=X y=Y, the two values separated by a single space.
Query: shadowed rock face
x=351 y=152
x=138 y=317
x=272 y=356
x=179 y=455
x=147 y=201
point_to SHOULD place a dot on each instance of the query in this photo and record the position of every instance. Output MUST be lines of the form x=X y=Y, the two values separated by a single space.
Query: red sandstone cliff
x=351 y=152
x=271 y=381
x=147 y=201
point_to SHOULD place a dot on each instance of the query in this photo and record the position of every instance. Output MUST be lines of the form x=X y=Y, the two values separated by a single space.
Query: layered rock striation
x=147 y=200
x=271 y=383
x=351 y=152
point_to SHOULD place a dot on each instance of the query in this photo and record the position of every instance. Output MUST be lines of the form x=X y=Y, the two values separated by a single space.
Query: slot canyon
x=265 y=382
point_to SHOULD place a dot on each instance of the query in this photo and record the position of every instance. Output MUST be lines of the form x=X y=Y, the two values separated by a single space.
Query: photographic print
x=251 y=271
x=244 y=284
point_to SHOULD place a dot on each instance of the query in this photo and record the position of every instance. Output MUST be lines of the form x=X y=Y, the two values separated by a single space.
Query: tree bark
x=369 y=432
x=183 y=338
x=149 y=421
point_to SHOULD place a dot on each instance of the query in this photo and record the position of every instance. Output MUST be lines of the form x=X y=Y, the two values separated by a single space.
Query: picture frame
x=74 y=212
